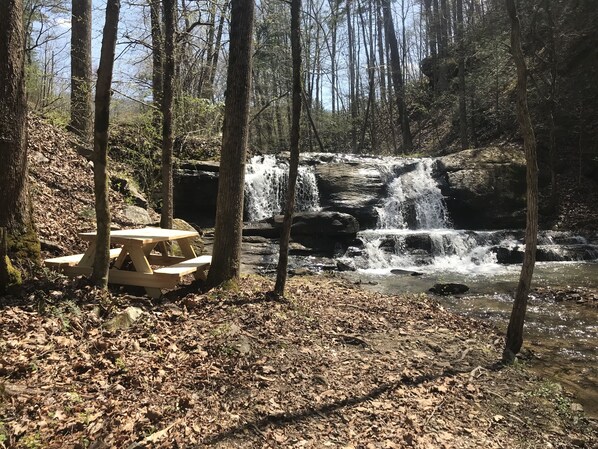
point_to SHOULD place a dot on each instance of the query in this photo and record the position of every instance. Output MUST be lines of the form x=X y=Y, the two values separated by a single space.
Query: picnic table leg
x=142 y=265
x=186 y=248
x=88 y=256
x=189 y=253
x=124 y=252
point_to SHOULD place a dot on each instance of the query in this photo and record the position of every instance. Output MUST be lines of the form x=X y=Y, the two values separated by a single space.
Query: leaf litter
x=333 y=366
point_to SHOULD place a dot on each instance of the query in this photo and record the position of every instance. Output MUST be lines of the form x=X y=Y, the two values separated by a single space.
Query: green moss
x=11 y=278
x=25 y=246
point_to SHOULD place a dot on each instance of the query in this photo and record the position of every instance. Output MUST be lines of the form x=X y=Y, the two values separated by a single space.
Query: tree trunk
x=81 y=84
x=397 y=76
x=157 y=68
x=283 y=258
x=226 y=253
x=167 y=209
x=462 y=89
x=352 y=87
x=102 y=120
x=514 y=338
x=15 y=207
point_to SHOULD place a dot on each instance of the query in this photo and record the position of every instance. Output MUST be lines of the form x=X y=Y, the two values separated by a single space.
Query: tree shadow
x=293 y=417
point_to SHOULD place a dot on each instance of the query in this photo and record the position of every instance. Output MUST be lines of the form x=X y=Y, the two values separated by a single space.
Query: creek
x=414 y=235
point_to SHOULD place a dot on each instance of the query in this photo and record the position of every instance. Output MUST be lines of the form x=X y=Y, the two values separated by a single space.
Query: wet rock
x=353 y=188
x=195 y=192
x=345 y=266
x=400 y=272
x=449 y=289
x=484 y=187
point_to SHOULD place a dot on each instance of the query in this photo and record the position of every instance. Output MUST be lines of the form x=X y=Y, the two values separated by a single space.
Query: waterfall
x=414 y=198
x=266 y=181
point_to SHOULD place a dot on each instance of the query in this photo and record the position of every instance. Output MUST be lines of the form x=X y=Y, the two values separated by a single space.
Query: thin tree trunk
x=514 y=338
x=102 y=121
x=397 y=77
x=226 y=253
x=215 y=56
x=81 y=84
x=15 y=206
x=352 y=88
x=157 y=67
x=462 y=87
x=283 y=258
x=552 y=103
x=167 y=209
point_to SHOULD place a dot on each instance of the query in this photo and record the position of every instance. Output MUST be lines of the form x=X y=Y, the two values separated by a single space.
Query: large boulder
x=322 y=223
x=352 y=188
x=484 y=188
x=196 y=191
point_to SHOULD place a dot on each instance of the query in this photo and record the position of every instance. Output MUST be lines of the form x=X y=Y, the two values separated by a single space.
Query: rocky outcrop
x=352 y=188
x=320 y=232
x=484 y=188
x=196 y=191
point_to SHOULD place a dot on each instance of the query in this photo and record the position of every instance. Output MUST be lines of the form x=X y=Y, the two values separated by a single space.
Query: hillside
x=62 y=190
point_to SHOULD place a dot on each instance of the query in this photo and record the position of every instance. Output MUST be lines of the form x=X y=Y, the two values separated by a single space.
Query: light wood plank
x=144 y=235
x=187 y=266
x=74 y=259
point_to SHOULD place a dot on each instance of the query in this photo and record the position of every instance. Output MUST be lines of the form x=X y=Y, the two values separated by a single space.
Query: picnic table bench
x=132 y=261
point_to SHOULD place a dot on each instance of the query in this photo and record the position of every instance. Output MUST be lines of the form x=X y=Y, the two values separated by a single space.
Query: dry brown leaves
x=61 y=183
x=333 y=367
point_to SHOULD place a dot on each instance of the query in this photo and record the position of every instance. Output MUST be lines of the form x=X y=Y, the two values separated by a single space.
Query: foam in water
x=266 y=181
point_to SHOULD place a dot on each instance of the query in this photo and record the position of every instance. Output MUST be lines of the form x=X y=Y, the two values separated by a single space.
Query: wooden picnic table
x=142 y=248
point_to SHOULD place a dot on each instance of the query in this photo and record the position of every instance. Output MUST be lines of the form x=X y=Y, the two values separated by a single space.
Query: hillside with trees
x=303 y=223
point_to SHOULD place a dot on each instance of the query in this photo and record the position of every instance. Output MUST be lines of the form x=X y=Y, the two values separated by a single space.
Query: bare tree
x=100 y=158
x=283 y=257
x=514 y=338
x=15 y=208
x=397 y=75
x=226 y=253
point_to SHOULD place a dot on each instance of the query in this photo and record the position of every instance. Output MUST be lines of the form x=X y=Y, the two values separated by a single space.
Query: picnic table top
x=142 y=236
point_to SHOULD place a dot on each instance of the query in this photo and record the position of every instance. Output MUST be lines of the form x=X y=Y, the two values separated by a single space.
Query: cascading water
x=414 y=232
x=414 y=199
x=266 y=180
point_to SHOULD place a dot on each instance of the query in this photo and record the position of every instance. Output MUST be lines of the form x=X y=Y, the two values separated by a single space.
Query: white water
x=266 y=180
x=415 y=233
x=414 y=192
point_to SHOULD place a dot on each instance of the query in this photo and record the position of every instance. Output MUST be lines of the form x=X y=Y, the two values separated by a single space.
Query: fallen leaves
x=238 y=370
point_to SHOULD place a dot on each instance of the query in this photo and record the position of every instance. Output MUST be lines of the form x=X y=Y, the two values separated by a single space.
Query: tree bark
x=81 y=84
x=15 y=206
x=157 y=57
x=397 y=75
x=514 y=338
x=283 y=257
x=167 y=210
x=102 y=120
x=226 y=253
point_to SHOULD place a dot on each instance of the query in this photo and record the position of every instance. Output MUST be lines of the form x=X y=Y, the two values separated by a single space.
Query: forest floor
x=333 y=366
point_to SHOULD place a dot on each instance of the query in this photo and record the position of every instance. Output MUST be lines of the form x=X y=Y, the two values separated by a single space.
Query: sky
x=130 y=59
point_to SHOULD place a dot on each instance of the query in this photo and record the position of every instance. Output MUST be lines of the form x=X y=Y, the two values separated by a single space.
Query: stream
x=414 y=234
x=563 y=336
